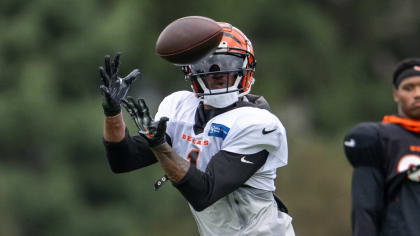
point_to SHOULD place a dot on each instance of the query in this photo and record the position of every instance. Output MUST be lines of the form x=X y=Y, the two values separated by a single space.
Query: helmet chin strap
x=220 y=100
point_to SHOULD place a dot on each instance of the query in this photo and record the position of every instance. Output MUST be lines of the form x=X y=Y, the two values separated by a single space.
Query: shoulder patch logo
x=218 y=130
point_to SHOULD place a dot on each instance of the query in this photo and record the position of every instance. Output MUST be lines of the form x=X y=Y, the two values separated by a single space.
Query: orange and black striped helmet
x=235 y=54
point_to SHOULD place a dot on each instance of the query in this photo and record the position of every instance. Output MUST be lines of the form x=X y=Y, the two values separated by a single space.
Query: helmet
x=233 y=57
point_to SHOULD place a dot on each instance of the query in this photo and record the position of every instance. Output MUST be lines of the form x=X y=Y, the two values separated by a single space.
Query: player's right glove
x=114 y=88
x=153 y=131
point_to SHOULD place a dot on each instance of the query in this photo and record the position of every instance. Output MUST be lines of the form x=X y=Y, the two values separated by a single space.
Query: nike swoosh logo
x=350 y=143
x=268 y=131
x=246 y=161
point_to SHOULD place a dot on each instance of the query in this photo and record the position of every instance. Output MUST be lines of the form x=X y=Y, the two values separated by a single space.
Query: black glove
x=153 y=132
x=114 y=88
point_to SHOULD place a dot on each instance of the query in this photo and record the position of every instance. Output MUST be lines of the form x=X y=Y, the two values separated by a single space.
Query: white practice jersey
x=244 y=130
x=247 y=211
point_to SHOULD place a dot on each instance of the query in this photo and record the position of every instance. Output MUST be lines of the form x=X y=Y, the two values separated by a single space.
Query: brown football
x=188 y=39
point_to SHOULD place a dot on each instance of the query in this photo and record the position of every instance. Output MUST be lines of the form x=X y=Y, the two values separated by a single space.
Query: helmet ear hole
x=214 y=67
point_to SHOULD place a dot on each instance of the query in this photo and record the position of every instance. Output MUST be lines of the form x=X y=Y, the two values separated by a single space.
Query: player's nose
x=417 y=91
x=219 y=76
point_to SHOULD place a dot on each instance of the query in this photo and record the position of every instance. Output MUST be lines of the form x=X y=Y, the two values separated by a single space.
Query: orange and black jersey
x=384 y=200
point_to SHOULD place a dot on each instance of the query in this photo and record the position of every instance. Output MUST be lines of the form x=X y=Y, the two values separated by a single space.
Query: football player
x=219 y=145
x=386 y=160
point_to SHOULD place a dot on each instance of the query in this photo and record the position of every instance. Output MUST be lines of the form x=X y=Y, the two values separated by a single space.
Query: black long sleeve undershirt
x=225 y=173
x=131 y=153
x=367 y=200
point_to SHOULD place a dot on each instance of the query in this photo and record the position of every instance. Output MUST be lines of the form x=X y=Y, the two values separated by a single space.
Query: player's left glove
x=152 y=131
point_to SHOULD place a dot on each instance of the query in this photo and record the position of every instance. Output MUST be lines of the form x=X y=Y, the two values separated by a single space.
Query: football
x=188 y=39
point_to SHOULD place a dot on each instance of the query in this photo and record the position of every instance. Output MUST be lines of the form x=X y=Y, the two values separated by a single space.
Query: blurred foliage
x=323 y=66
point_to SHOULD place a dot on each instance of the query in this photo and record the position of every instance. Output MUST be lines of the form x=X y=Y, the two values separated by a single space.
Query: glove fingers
x=131 y=100
x=130 y=106
x=104 y=77
x=144 y=112
x=126 y=105
x=132 y=103
x=105 y=90
x=143 y=124
x=116 y=64
x=131 y=110
x=162 y=125
x=143 y=107
x=130 y=78
x=108 y=65
x=135 y=108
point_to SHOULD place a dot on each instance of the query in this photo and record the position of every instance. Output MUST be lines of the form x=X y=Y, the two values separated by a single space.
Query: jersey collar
x=408 y=124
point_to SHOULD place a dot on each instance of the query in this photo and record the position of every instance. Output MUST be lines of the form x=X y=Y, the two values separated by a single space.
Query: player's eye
x=408 y=87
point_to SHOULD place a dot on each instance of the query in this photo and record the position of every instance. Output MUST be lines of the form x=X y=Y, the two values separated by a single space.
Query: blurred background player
x=386 y=160
x=219 y=145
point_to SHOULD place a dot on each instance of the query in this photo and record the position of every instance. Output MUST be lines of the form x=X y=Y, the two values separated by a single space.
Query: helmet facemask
x=235 y=64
